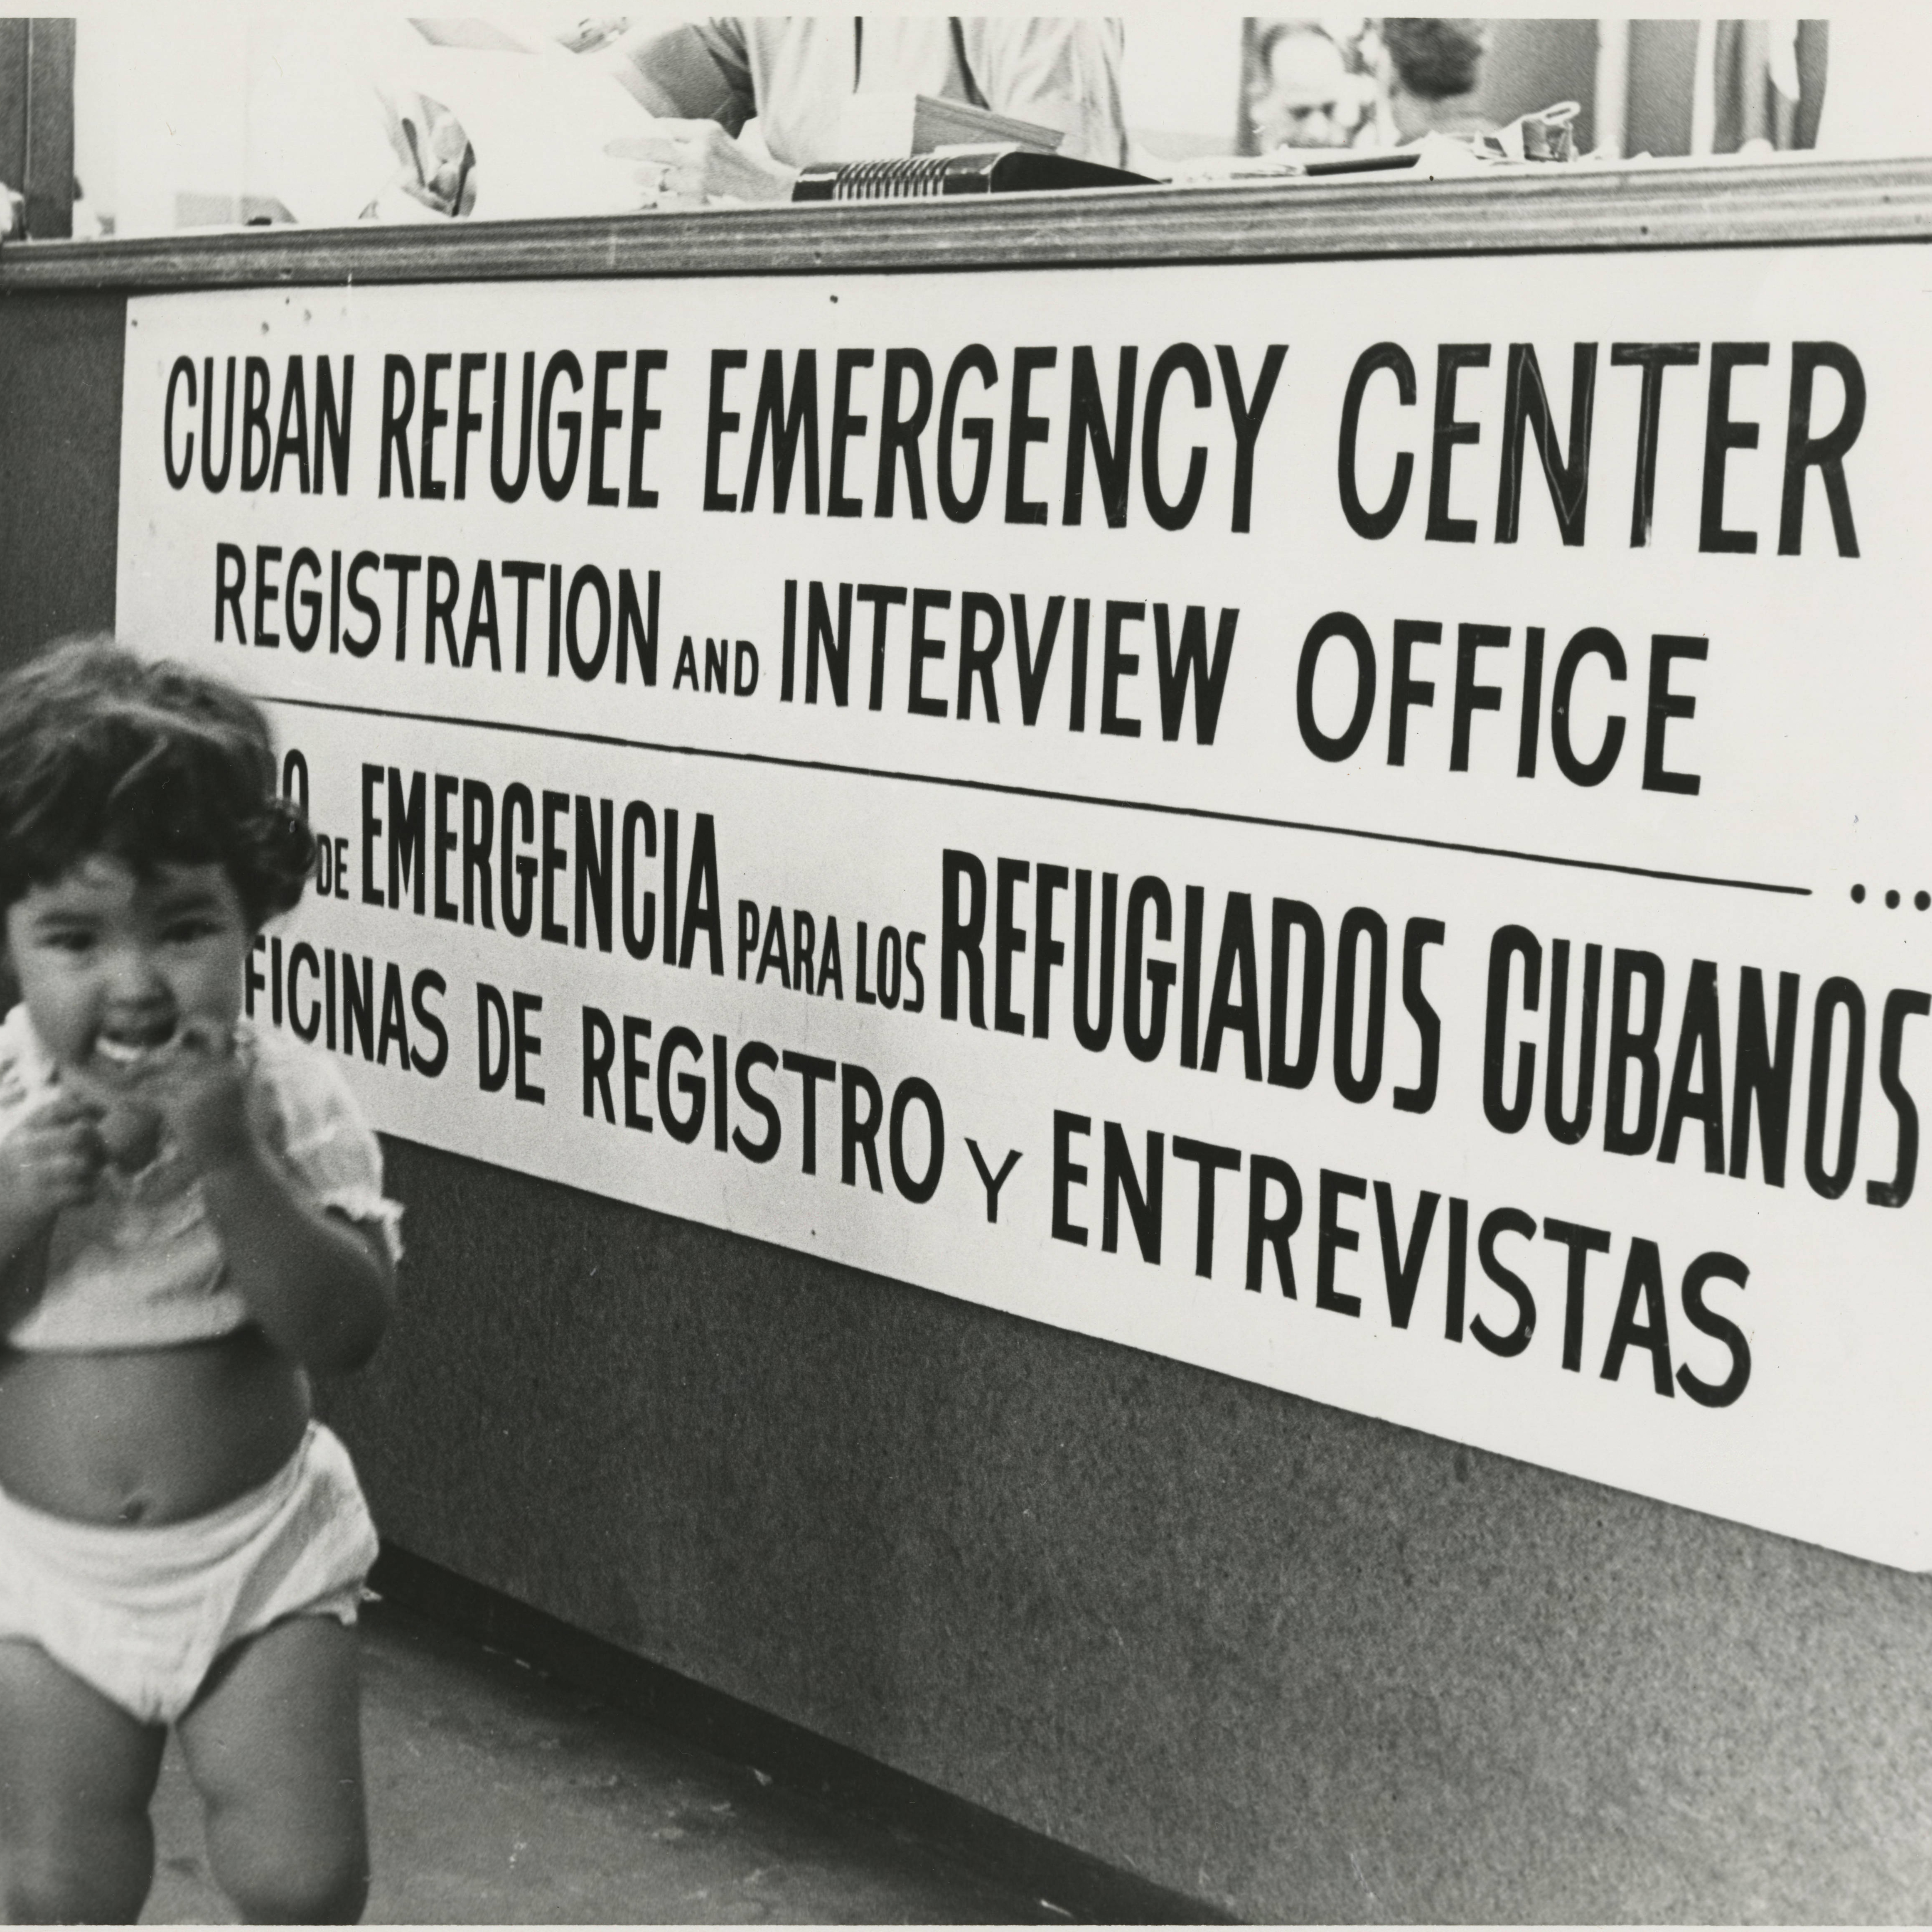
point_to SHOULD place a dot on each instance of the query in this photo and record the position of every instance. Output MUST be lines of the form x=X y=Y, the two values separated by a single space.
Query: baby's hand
x=202 y=1098
x=52 y=1159
x=130 y=1134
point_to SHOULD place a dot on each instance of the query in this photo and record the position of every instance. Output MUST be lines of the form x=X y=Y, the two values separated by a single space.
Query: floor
x=500 y=1796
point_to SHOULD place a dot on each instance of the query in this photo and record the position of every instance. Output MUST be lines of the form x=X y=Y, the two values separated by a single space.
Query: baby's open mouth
x=129 y=1047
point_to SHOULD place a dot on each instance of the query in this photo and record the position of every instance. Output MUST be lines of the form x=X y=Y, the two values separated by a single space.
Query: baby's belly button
x=145 y=1439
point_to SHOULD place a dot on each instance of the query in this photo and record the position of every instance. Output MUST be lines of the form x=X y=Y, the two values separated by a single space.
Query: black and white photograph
x=964 y=969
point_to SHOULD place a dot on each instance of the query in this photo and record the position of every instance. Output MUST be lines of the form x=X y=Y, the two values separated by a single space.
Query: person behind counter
x=1303 y=93
x=706 y=79
x=1434 y=67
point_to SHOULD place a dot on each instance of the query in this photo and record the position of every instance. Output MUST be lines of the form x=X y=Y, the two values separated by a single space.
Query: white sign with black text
x=1361 y=825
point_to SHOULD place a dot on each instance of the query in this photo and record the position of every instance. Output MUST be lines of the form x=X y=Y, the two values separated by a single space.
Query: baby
x=192 y=1221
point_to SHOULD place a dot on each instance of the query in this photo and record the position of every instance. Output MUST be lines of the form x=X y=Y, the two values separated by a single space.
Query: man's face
x=1307 y=99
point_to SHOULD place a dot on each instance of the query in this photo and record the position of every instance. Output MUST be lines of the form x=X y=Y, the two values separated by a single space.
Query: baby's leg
x=75 y=1775
x=273 y=1745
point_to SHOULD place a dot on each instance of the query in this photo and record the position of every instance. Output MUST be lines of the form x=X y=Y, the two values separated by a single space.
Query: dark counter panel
x=1295 y=1662
x=60 y=465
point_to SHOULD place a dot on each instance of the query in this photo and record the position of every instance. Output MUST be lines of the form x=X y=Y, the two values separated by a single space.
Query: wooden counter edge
x=1677 y=205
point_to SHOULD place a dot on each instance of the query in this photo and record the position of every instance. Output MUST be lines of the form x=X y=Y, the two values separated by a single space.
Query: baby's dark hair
x=150 y=763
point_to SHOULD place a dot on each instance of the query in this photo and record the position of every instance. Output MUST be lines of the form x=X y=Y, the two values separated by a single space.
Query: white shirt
x=795 y=71
x=140 y=1266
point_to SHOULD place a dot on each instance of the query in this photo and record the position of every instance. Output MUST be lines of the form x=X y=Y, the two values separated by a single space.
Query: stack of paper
x=539 y=118
x=883 y=126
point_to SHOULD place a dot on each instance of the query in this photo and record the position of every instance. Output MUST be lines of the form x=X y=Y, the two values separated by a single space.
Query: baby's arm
x=319 y=1286
x=49 y=1160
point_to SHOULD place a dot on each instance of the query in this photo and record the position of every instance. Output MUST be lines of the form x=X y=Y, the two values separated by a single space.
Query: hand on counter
x=700 y=162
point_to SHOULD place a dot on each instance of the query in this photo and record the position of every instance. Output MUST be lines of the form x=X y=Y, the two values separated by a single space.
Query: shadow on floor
x=498 y=1795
